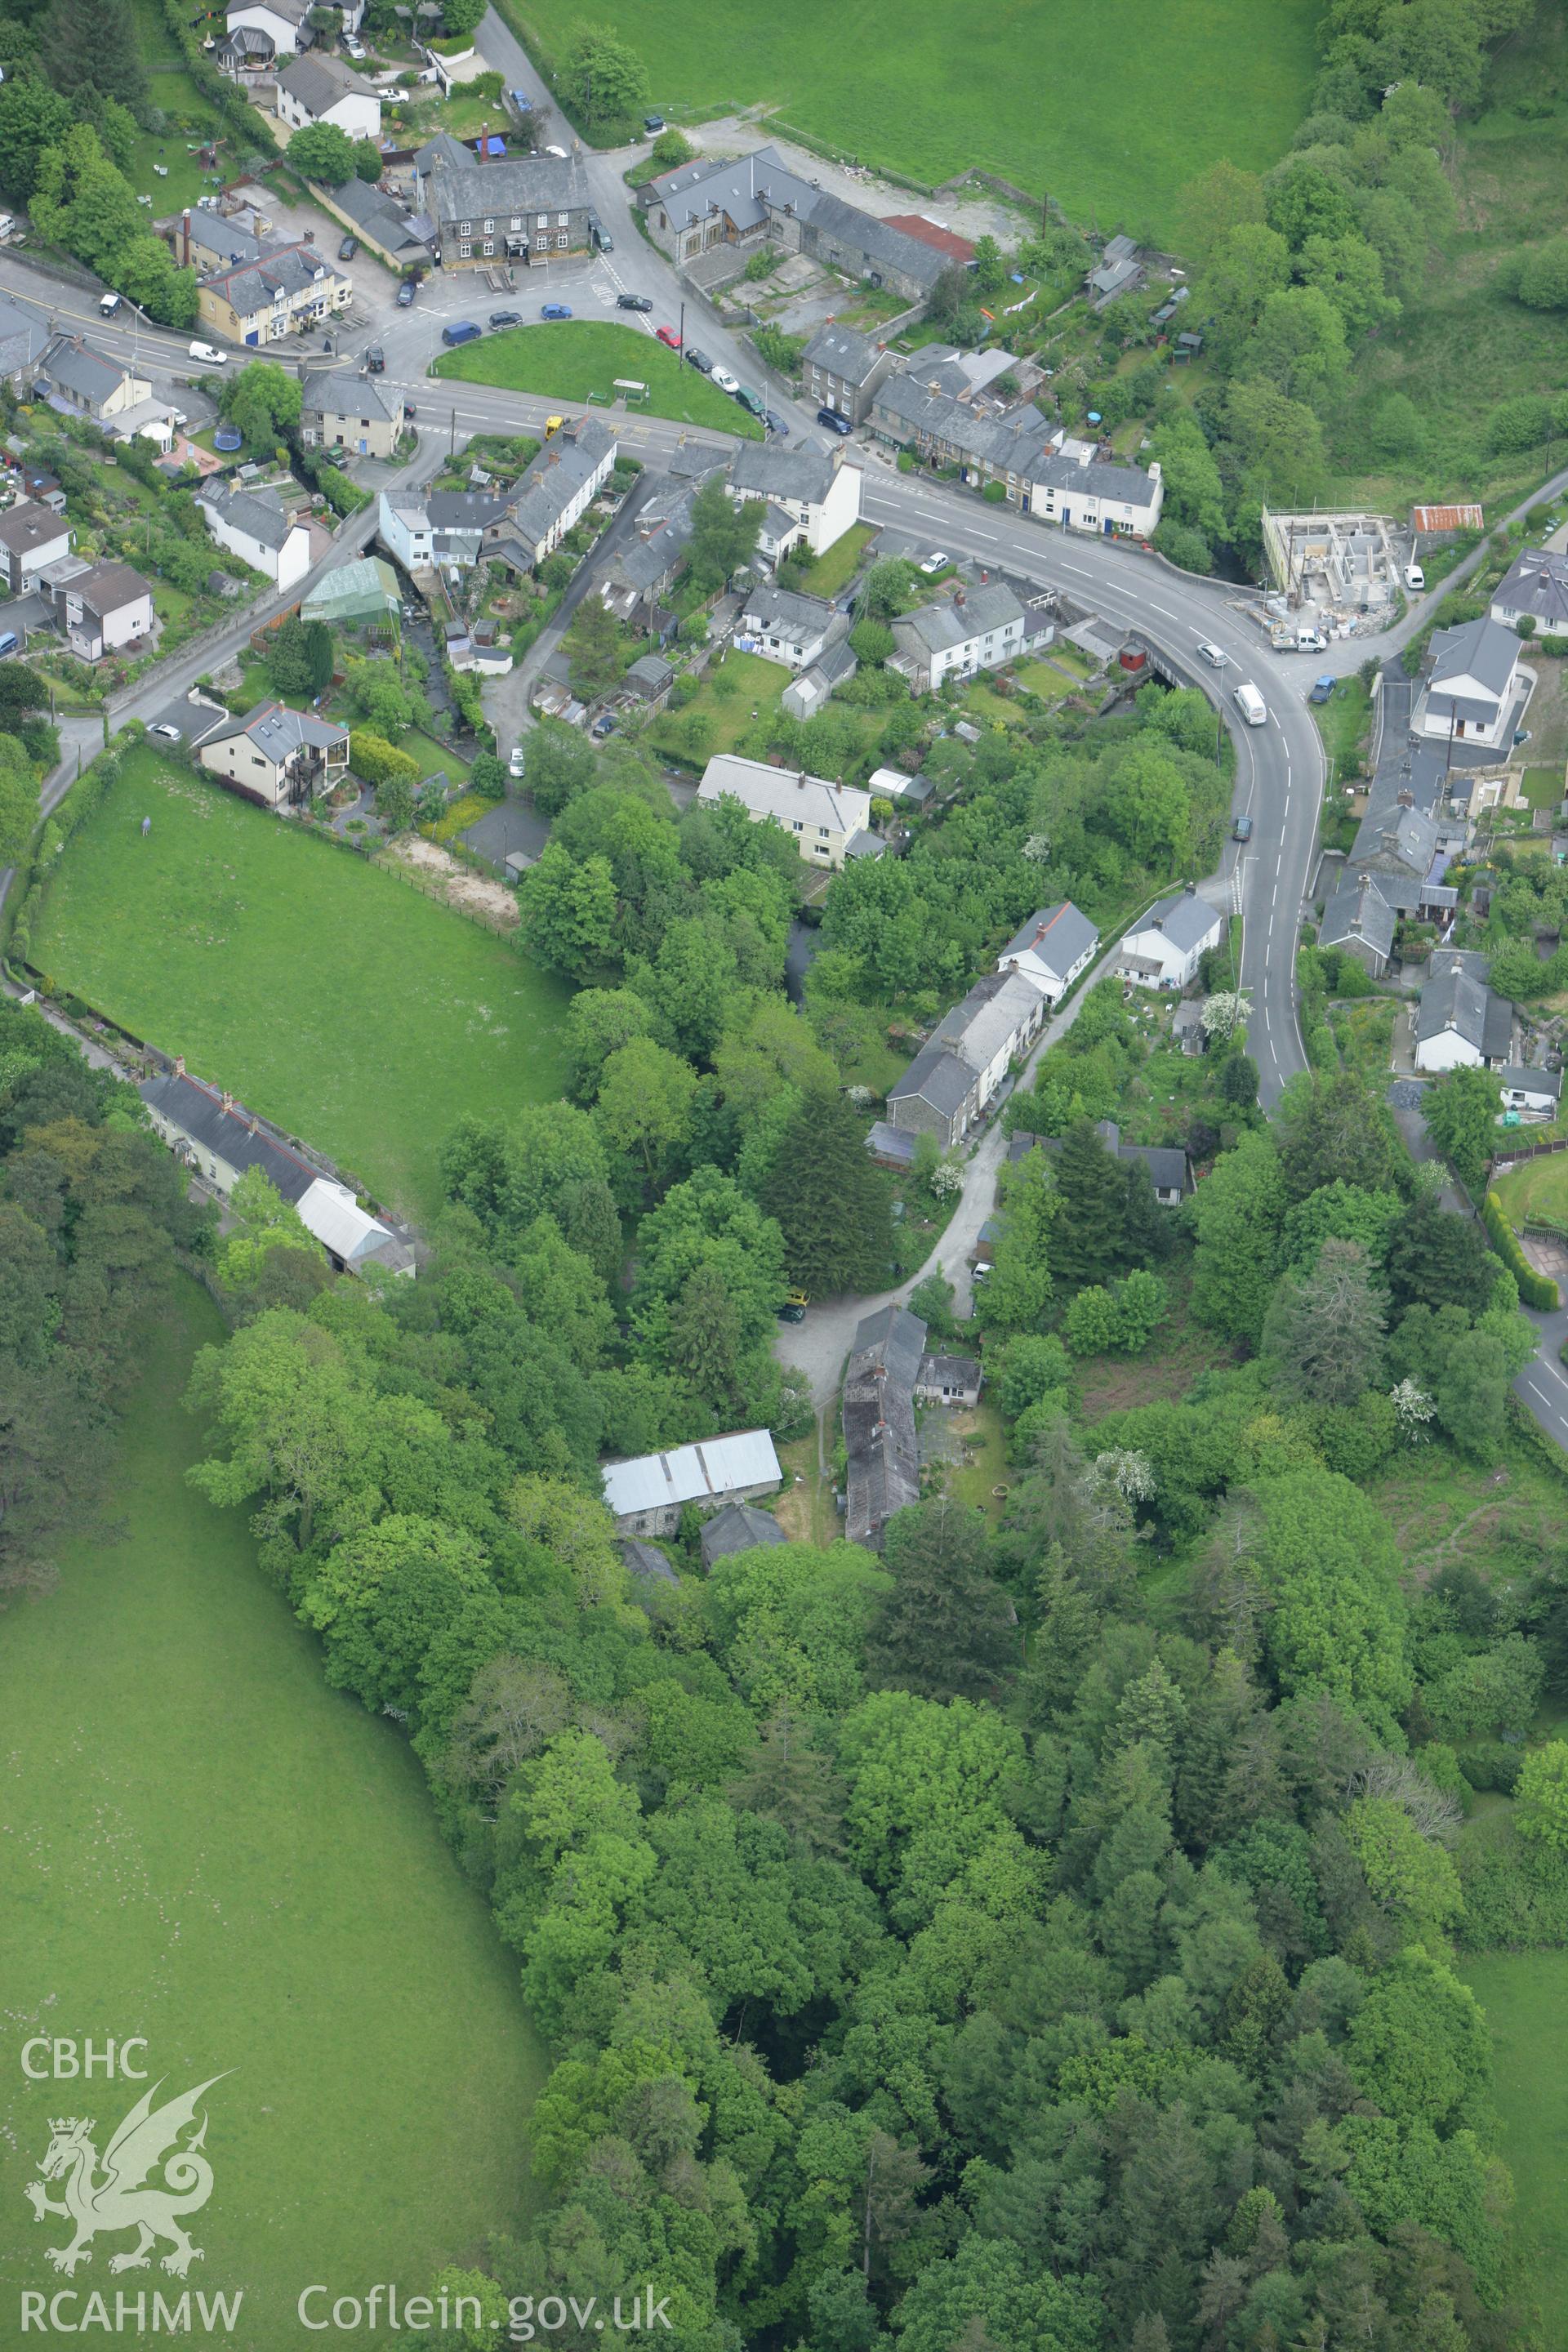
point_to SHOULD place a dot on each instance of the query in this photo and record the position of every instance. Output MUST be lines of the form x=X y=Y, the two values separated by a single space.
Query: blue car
x=555 y=310
x=834 y=422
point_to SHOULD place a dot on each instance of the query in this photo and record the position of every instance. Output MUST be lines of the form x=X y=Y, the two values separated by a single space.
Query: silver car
x=1212 y=654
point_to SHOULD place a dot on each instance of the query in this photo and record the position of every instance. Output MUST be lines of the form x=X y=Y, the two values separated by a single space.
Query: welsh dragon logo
x=117 y=2197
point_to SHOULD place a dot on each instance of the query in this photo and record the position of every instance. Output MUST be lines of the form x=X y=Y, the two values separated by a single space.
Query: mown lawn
x=1023 y=93
x=1525 y=1997
x=318 y=988
x=835 y=569
x=570 y=358
x=1538 y=1188
x=213 y=1849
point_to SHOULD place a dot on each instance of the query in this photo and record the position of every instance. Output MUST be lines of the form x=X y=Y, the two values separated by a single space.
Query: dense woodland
x=959 y=1947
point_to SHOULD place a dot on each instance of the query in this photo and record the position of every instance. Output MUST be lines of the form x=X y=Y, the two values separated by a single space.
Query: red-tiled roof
x=957 y=248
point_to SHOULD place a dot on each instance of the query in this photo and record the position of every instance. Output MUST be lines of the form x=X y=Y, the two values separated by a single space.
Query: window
x=464 y=228
x=517 y=220
x=489 y=245
x=464 y=251
x=542 y=220
x=563 y=220
x=541 y=244
x=562 y=241
x=797 y=825
x=822 y=831
x=489 y=227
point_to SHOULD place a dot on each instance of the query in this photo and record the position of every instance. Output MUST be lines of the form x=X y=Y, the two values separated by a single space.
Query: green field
x=1026 y=93
x=569 y=359
x=210 y=1849
x=1525 y=1996
x=318 y=988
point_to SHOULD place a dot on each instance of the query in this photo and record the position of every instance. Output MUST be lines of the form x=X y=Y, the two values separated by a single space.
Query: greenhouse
x=366 y=591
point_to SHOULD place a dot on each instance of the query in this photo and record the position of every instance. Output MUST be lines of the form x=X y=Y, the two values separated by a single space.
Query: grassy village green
x=214 y=1850
x=317 y=987
x=574 y=358
x=1026 y=94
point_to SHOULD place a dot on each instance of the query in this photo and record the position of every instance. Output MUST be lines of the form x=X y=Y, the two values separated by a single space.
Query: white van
x=107 y=305
x=209 y=355
x=1251 y=705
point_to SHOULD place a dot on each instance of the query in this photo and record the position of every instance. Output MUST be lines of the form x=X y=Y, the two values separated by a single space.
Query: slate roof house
x=825 y=818
x=291 y=290
x=646 y=1495
x=343 y=408
x=808 y=493
x=275 y=755
x=1022 y=451
x=635 y=580
x=785 y=627
x=1164 y=949
x=1527 y=1088
x=1051 y=949
x=400 y=237
x=883 y=1472
x=106 y=608
x=1359 y=919
x=321 y=88
x=423 y=529
x=957 y=1072
x=1170 y=1170
x=843 y=369
x=739 y=1526
x=1469 y=694
x=975 y=629
x=22 y=338
x=1535 y=588
x=219 y=1138
x=552 y=495
x=74 y=377
x=1460 y=1022
x=524 y=208
x=31 y=535
x=746 y=199
x=279 y=28
x=254 y=525
x=1116 y=270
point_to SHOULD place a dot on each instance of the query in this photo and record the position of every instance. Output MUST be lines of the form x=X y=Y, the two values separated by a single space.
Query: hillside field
x=1109 y=112
x=209 y=1848
x=322 y=990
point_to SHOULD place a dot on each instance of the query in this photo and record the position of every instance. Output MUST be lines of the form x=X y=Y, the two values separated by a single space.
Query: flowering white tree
x=1037 y=849
x=1224 y=1014
x=1413 y=1409
x=946 y=1180
x=1131 y=1474
x=861 y=1096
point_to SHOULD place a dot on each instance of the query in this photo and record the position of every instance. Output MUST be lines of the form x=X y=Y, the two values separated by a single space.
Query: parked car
x=179 y=417
x=405 y=293
x=209 y=355
x=725 y=381
x=935 y=561
x=354 y=48
x=514 y=765
x=654 y=122
x=375 y=360
x=790 y=1313
x=165 y=733
x=506 y=318
x=699 y=360
x=1242 y=829
x=633 y=302
x=1322 y=689
x=348 y=249
x=559 y=153
x=668 y=338
x=409 y=409
x=1521 y=735
x=1414 y=578
x=774 y=421
x=555 y=310
x=603 y=725
x=1212 y=654
x=834 y=422
x=461 y=331
x=750 y=400
x=602 y=242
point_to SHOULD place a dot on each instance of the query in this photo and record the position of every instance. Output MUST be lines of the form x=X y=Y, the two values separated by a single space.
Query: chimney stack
x=179 y=1066
x=186 y=258
x=228 y=1102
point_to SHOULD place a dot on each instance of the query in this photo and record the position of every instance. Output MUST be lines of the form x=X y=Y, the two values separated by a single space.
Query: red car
x=668 y=336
